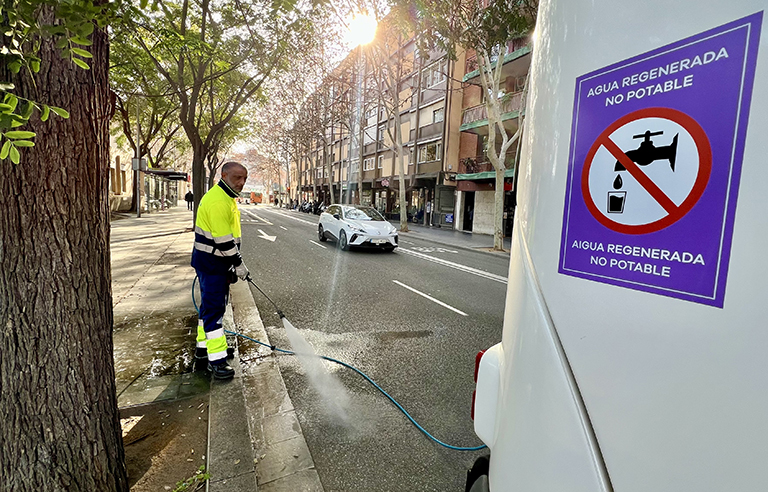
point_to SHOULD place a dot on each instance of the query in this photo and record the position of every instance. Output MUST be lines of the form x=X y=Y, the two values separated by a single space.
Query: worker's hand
x=242 y=271
x=231 y=275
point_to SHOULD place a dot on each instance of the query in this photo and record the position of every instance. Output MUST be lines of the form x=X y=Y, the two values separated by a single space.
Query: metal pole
x=357 y=121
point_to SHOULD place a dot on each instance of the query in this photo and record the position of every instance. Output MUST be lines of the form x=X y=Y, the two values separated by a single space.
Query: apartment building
x=449 y=180
x=429 y=111
x=476 y=181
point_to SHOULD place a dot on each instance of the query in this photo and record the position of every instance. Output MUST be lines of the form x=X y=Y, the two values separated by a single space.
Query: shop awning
x=509 y=173
x=169 y=174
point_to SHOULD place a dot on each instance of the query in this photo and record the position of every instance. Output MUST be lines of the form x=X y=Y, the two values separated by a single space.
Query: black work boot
x=221 y=371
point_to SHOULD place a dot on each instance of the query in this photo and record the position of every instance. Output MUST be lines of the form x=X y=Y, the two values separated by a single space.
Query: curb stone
x=278 y=451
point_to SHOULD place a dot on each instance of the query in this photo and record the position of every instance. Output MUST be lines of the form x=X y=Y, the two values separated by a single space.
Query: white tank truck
x=634 y=355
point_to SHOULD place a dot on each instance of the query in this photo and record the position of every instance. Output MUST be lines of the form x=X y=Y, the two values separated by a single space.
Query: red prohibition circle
x=705 y=168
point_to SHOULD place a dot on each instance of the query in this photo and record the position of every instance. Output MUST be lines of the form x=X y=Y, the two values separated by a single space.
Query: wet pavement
x=154 y=319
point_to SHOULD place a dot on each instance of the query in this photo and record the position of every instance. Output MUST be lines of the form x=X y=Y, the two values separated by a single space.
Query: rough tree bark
x=58 y=410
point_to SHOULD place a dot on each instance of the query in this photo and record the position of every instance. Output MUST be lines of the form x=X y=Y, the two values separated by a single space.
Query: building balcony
x=427 y=131
x=475 y=119
x=515 y=62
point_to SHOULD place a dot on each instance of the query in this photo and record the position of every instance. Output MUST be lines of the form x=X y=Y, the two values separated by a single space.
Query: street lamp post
x=362 y=30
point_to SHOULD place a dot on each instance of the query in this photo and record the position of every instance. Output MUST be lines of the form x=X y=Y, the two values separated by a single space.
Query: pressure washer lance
x=336 y=361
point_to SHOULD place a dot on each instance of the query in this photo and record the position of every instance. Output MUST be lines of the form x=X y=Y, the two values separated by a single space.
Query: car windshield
x=362 y=213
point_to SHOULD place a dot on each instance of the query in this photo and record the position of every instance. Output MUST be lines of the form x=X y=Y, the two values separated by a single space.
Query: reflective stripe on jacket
x=217 y=231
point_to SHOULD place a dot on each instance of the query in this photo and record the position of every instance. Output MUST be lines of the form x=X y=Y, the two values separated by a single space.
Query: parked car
x=356 y=225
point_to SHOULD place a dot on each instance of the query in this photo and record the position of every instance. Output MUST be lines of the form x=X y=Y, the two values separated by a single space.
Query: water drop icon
x=617 y=182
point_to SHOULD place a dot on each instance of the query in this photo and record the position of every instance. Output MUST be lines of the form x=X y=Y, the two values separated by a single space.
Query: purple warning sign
x=655 y=160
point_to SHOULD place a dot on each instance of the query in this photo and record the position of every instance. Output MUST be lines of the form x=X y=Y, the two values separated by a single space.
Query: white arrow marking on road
x=268 y=238
x=318 y=244
x=283 y=228
x=457 y=266
x=431 y=298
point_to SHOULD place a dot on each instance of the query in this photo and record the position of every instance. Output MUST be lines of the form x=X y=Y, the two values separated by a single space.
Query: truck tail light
x=478 y=357
x=477 y=363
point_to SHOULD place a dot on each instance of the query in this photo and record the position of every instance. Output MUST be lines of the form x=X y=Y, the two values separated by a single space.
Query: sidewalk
x=175 y=419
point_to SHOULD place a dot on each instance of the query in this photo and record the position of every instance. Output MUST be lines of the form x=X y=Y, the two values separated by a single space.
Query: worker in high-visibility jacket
x=216 y=258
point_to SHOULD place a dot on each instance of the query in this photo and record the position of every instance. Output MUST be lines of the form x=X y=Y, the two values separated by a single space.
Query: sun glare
x=362 y=30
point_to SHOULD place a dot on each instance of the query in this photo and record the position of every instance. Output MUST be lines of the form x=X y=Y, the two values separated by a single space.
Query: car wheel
x=343 y=244
x=321 y=234
x=477 y=477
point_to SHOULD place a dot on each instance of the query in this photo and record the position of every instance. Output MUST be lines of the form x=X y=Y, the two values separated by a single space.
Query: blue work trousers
x=215 y=295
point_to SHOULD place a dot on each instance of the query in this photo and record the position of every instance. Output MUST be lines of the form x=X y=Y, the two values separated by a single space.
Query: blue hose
x=367 y=378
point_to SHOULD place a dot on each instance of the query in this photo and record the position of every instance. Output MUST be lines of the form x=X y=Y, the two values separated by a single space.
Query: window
x=325 y=172
x=381 y=161
x=355 y=166
x=434 y=74
x=430 y=152
x=438 y=115
x=319 y=172
x=368 y=164
x=368 y=136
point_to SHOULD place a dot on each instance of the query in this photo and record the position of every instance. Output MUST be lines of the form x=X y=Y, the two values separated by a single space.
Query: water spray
x=288 y=326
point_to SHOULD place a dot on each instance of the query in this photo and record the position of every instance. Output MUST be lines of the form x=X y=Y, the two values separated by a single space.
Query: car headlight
x=355 y=228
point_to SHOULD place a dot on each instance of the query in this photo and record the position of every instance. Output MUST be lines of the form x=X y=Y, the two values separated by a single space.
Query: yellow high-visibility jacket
x=217 y=231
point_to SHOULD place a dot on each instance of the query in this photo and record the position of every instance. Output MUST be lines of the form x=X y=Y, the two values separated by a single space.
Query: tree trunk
x=198 y=176
x=58 y=408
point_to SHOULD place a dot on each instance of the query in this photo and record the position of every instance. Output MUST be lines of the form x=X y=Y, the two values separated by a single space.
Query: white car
x=356 y=225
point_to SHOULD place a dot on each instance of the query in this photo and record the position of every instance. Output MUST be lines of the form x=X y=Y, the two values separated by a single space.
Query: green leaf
x=28 y=108
x=81 y=41
x=11 y=100
x=35 y=65
x=15 y=156
x=86 y=30
x=5 y=149
x=14 y=66
x=61 y=112
x=80 y=63
x=23 y=143
x=82 y=52
x=5 y=107
x=19 y=134
x=46 y=113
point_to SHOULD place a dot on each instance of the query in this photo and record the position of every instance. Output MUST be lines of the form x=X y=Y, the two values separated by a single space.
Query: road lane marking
x=281 y=214
x=262 y=219
x=428 y=249
x=317 y=244
x=456 y=266
x=283 y=228
x=431 y=298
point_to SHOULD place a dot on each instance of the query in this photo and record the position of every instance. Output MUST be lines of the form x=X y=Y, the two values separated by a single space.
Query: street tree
x=58 y=407
x=390 y=86
x=216 y=57
x=142 y=93
x=485 y=28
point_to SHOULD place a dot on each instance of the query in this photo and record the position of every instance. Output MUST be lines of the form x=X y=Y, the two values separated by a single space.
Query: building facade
x=444 y=127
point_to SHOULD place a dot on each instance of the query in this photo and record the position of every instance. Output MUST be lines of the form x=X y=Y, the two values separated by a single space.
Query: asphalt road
x=367 y=308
